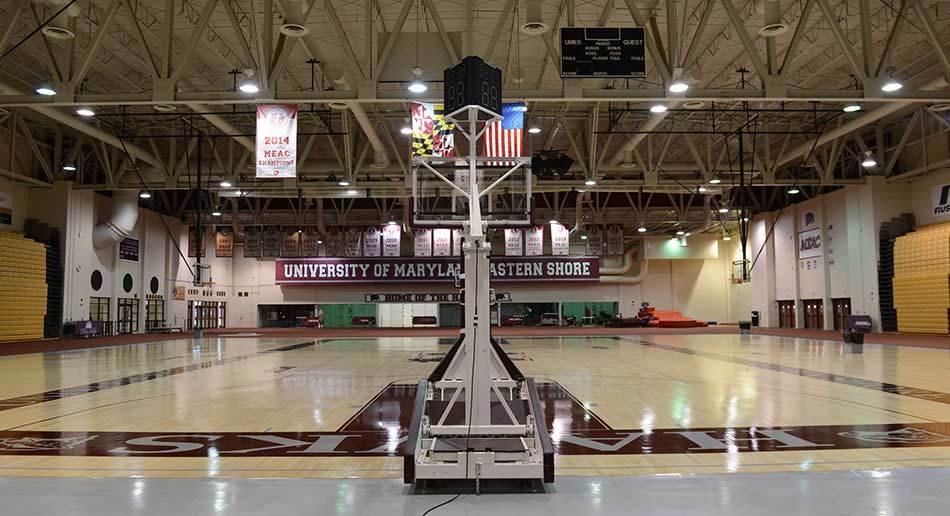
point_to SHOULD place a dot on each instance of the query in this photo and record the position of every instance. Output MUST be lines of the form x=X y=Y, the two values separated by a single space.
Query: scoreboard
x=602 y=52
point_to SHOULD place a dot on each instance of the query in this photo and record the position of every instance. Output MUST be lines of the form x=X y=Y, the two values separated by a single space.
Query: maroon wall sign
x=316 y=271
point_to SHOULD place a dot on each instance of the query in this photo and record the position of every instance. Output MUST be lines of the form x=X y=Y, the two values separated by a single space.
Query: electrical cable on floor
x=443 y=504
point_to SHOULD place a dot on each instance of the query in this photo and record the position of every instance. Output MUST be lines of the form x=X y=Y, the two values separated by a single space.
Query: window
x=99 y=309
x=155 y=313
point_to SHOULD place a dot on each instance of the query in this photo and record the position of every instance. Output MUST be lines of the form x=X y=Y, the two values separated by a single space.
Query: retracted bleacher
x=23 y=287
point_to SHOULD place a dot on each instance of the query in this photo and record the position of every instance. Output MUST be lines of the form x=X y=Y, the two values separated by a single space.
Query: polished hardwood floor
x=338 y=407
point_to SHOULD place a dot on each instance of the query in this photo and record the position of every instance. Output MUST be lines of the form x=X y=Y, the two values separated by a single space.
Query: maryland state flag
x=431 y=132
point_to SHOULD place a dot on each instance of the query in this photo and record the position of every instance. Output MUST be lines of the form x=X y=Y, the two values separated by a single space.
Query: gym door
x=814 y=314
x=786 y=314
x=842 y=309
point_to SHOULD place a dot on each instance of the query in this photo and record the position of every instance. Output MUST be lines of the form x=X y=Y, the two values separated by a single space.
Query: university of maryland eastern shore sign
x=321 y=271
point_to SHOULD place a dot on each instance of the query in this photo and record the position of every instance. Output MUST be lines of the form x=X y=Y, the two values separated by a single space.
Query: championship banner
x=351 y=240
x=441 y=242
x=422 y=243
x=432 y=134
x=309 y=242
x=270 y=242
x=595 y=241
x=560 y=240
x=335 y=245
x=320 y=271
x=252 y=241
x=193 y=243
x=392 y=240
x=276 y=149
x=457 y=242
x=129 y=249
x=614 y=239
x=534 y=241
x=371 y=241
x=513 y=241
x=224 y=243
x=289 y=242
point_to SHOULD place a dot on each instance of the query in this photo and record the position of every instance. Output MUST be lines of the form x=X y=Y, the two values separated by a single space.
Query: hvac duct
x=534 y=23
x=125 y=212
x=58 y=28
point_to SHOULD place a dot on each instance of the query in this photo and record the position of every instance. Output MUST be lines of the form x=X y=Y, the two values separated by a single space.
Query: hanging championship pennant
x=423 y=242
x=560 y=240
x=392 y=239
x=615 y=239
x=595 y=241
x=335 y=242
x=276 y=148
x=442 y=242
x=534 y=242
x=224 y=243
x=289 y=242
x=371 y=241
x=352 y=240
x=308 y=242
x=513 y=238
x=270 y=242
x=252 y=241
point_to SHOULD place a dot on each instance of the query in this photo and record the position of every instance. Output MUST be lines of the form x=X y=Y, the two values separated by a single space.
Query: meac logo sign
x=940 y=196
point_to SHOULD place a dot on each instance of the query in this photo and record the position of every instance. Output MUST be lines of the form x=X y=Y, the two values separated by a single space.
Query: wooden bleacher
x=22 y=287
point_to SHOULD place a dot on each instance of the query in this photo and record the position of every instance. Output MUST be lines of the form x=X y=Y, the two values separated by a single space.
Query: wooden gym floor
x=290 y=406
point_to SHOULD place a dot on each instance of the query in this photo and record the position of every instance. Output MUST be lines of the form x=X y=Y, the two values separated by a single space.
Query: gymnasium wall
x=17 y=197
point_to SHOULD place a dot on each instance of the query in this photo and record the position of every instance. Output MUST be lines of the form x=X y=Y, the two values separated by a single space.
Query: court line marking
x=854 y=381
x=66 y=392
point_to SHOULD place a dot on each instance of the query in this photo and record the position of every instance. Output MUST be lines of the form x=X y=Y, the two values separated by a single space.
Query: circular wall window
x=153 y=285
x=96 y=280
x=127 y=282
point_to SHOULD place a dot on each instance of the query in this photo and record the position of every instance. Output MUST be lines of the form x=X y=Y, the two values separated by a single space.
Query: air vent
x=694 y=104
x=339 y=105
x=53 y=32
x=164 y=108
x=534 y=28
x=773 y=29
x=293 y=30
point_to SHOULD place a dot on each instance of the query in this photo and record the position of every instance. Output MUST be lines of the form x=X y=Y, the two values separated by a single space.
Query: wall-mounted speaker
x=472 y=82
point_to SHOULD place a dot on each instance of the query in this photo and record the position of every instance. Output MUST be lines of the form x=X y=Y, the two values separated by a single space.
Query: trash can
x=745 y=327
x=755 y=317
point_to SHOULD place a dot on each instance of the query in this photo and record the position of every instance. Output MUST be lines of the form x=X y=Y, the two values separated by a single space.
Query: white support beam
x=846 y=48
x=104 y=26
x=196 y=33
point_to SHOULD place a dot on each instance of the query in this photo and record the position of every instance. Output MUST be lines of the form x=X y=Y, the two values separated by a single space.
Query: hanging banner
x=392 y=240
x=809 y=244
x=432 y=134
x=129 y=249
x=513 y=242
x=352 y=241
x=371 y=241
x=270 y=242
x=276 y=148
x=595 y=241
x=534 y=241
x=614 y=239
x=423 y=242
x=335 y=242
x=560 y=239
x=252 y=241
x=457 y=242
x=193 y=243
x=441 y=242
x=310 y=242
x=6 y=208
x=224 y=242
x=289 y=242
x=315 y=271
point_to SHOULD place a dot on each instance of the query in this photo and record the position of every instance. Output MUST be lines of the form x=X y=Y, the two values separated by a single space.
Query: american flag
x=503 y=138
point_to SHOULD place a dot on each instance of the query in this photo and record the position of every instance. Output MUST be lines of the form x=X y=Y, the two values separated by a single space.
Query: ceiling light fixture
x=216 y=213
x=69 y=168
x=590 y=182
x=851 y=108
x=552 y=221
x=344 y=182
x=678 y=87
x=715 y=181
x=84 y=111
x=891 y=85
x=225 y=183
x=417 y=85
x=405 y=130
x=793 y=190
x=534 y=130
x=723 y=210
x=701 y=189
x=658 y=108
x=583 y=237
x=680 y=233
x=248 y=84
x=391 y=223
x=726 y=237
x=351 y=191
x=145 y=195
x=642 y=229
x=46 y=90
x=869 y=160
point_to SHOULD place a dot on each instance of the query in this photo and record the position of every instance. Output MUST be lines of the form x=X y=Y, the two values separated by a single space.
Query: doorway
x=814 y=314
x=207 y=314
x=128 y=315
x=841 y=307
x=786 y=314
